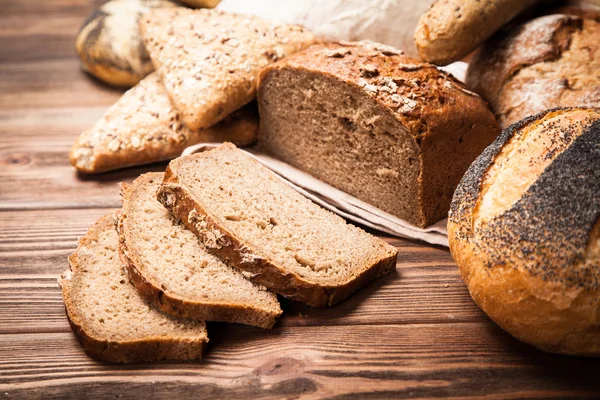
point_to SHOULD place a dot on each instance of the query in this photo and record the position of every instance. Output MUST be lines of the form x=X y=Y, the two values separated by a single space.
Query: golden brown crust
x=551 y=61
x=180 y=203
x=209 y=60
x=150 y=349
x=533 y=265
x=142 y=127
x=171 y=303
x=446 y=121
x=451 y=29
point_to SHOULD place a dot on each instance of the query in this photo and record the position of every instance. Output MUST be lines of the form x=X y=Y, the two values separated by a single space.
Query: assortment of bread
x=218 y=235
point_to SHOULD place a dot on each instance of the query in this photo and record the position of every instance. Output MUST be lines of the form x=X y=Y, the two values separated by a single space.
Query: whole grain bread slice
x=111 y=319
x=209 y=60
x=143 y=127
x=253 y=220
x=175 y=271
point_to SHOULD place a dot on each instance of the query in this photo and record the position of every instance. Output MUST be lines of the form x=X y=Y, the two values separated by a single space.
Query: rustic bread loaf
x=547 y=62
x=112 y=320
x=172 y=269
x=383 y=127
x=142 y=127
x=451 y=29
x=109 y=43
x=251 y=218
x=524 y=229
x=209 y=60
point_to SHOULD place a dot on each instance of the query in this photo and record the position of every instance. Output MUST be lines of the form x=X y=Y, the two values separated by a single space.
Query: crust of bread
x=451 y=29
x=142 y=127
x=548 y=62
x=444 y=119
x=544 y=288
x=175 y=305
x=180 y=203
x=151 y=349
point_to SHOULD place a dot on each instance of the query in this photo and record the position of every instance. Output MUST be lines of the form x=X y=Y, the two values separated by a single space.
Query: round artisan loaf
x=109 y=43
x=551 y=61
x=451 y=29
x=524 y=229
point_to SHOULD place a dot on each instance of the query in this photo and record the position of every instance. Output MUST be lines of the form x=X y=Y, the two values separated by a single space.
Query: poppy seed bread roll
x=524 y=229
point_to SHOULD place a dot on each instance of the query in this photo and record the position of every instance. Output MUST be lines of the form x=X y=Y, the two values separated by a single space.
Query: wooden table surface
x=415 y=333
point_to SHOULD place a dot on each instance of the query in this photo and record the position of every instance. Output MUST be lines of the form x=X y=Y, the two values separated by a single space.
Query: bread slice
x=112 y=320
x=173 y=269
x=387 y=129
x=251 y=218
x=142 y=127
x=209 y=60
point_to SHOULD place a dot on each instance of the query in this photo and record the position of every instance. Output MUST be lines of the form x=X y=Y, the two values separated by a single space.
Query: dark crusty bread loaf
x=451 y=29
x=548 y=62
x=251 y=218
x=173 y=269
x=209 y=60
x=383 y=127
x=112 y=320
x=143 y=127
x=524 y=229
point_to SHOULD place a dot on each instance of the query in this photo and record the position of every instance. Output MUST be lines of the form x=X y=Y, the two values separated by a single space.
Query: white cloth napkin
x=342 y=203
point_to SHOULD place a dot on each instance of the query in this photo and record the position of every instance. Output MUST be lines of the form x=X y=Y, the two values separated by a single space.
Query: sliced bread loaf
x=390 y=130
x=173 y=269
x=112 y=320
x=250 y=217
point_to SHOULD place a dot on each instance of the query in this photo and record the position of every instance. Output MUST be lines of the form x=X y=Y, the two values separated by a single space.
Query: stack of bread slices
x=212 y=239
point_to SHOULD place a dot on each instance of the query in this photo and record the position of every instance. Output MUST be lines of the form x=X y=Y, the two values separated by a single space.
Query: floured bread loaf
x=385 y=128
x=112 y=320
x=209 y=60
x=170 y=267
x=142 y=127
x=251 y=218
x=524 y=229
x=547 y=62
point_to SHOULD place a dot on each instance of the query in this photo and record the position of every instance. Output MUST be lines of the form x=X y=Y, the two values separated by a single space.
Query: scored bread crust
x=180 y=203
x=534 y=268
x=171 y=303
x=147 y=350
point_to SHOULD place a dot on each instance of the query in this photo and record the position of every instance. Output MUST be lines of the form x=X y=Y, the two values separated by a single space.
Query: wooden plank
x=34 y=246
x=451 y=360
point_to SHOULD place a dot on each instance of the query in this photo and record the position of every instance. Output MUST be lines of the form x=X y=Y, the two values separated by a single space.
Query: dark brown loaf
x=524 y=229
x=548 y=62
x=451 y=29
x=383 y=127
x=255 y=222
x=110 y=318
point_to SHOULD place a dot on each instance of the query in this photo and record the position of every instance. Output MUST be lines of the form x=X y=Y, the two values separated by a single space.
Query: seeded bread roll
x=254 y=221
x=548 y=62
x=209 y=60
x=524 y=229
x=111 y=319
x=109 y=43
x=385 y=128
x=451 y=29
x=172 y=269
x=142 y=127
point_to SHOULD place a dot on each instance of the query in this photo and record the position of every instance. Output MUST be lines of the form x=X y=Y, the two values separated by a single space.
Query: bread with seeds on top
x=524 y=229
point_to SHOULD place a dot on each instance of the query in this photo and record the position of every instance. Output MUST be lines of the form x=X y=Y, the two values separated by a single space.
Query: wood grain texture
x=415 y=333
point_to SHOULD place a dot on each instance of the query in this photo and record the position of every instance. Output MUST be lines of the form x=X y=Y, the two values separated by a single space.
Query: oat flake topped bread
x=524 y=229
x=383 y=127
x=112 y=320
x=547 y=62
x=251 y=218
x=173 y=269
x=209 y=60
x=143 y=127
